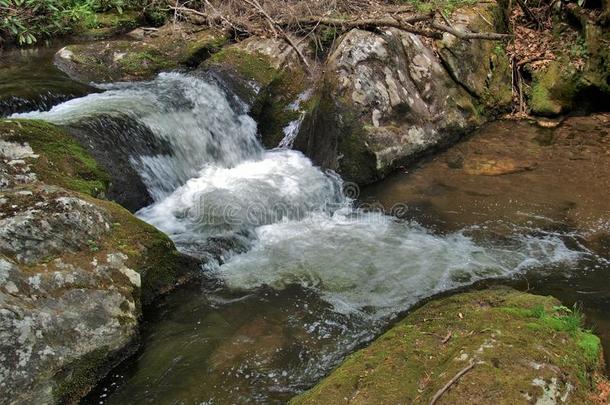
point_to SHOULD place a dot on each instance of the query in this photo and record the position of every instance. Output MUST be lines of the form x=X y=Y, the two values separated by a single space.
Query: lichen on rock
x=391 y=100
x=481 y=67
x=74 y=270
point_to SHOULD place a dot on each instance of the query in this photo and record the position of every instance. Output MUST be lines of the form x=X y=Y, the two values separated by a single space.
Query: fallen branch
x=364 y=23
x=459 y=375
x=469 y=35
x=529 y=14
x=403 y=23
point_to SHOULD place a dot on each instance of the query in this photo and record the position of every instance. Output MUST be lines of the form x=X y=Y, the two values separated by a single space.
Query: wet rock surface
x=268 y=75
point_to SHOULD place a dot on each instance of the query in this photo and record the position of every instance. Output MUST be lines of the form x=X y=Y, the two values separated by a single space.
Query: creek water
x=312 y=268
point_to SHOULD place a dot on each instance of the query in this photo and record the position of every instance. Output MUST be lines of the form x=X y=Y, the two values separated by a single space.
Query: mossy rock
x=61 y=161
x=110 y=24
x=119 y=60
x=251 y=67
x=553 y=90
x=75 y=268
x=480 y=66
x=333 y=137
x=520 y=348
x=266 y=84
x=579 y=78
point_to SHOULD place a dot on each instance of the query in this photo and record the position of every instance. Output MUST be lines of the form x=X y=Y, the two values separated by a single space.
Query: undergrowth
x=26 y=22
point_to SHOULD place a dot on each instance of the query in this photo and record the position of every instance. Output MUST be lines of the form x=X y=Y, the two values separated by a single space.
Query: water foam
x=218 y=181
x=373 y=264
x=193 y=115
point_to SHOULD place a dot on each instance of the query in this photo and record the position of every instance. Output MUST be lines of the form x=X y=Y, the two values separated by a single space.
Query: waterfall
x=210 y=177
x=189 y=114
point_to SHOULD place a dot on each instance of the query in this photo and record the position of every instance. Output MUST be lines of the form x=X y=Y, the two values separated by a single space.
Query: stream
x=310 y=267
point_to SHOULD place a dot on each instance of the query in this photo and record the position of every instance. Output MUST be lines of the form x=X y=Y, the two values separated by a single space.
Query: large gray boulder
x=385 y=99
x=74 y=270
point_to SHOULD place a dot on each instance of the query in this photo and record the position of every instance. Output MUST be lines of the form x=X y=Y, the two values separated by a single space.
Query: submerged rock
x=512 y=347
x=167 y=48
x=74 y=270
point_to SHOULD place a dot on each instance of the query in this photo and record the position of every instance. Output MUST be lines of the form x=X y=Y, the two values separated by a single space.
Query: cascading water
x=293 y=222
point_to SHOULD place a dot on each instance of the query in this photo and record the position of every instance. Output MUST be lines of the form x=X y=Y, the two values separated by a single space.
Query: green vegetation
x=62 y=160
x=279 y=89
x=256 y=67
x=553 y=89
x=26 y=22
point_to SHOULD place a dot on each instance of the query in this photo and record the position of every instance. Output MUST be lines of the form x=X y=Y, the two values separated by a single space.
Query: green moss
x=541 y=101
x=62 y=162
x=145 y=62
x=256 y=67
x=151 y=253
x=498 y=93
x=109 y=24
x=128 y=60
x=279 y=88
x=591 y=346
x=203 y=48
x=79 y=376
x=417 y=357
x=446 y=6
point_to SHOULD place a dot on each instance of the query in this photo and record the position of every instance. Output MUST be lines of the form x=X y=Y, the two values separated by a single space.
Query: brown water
x=209 y=344
x=517 y=174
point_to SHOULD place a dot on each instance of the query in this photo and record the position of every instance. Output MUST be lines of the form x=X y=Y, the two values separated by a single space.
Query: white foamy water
x=192 y=115
x=218 y=181
x=282 y=184
x=372 y=263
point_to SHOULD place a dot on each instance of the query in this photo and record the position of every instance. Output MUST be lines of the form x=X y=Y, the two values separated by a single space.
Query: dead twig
x=529 y=14
x=459 y=375
x=469 y=35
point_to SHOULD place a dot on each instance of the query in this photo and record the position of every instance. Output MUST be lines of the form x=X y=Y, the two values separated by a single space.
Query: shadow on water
x=29 y=81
